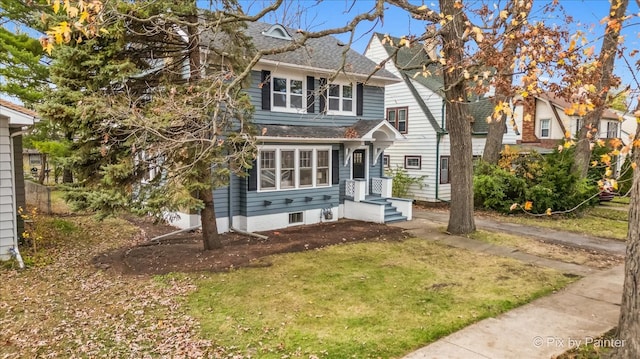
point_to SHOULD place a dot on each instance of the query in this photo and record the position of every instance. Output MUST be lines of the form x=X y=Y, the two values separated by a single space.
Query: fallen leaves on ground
x=71 y=309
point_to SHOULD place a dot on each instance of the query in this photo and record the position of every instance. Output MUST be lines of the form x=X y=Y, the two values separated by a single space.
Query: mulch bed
x=184 y=252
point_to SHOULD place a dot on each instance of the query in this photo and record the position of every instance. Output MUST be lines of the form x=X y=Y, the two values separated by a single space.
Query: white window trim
x=288 y=108
x=548 y=120
x=354 y=97
x=296 y=149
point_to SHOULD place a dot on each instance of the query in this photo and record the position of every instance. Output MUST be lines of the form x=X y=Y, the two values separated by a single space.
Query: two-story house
x=415 y=107
x=321 y=139
x=544 y=123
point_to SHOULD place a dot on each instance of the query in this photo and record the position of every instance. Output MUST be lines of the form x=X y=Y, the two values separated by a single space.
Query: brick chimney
x=529 y=127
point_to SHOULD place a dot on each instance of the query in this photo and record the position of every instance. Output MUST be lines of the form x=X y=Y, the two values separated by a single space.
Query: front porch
x=376 y=206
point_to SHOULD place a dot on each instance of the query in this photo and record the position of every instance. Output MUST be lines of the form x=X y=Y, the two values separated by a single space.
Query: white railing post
x=387 y=187
x=359 y=190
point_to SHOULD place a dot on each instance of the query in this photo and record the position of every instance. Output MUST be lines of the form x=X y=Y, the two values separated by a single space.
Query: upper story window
x=612 y=129
x=288 y=93
x=340 y=98
x=398 y=117
x=291 y=168
x=545 y=128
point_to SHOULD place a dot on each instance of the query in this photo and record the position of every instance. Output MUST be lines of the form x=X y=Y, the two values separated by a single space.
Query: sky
x=317 y=15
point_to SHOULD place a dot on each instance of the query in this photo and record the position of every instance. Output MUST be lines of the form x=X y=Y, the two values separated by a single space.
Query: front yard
x=381 y=298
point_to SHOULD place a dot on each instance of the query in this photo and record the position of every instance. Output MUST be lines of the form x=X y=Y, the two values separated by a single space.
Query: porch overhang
x=380 y=133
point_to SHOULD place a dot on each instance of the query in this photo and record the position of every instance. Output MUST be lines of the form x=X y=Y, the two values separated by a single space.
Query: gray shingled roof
x=412 y=57
x=357 y=130
x=323 y=53
x=415 y=56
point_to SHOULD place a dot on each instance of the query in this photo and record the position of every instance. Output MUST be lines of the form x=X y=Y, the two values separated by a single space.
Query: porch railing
x=356 y=189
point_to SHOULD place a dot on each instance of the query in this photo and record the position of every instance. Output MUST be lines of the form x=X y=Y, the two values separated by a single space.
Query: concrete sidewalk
x=546 y=327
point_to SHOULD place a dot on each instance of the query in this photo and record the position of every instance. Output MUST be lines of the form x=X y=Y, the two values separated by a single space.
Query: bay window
x=291 y=168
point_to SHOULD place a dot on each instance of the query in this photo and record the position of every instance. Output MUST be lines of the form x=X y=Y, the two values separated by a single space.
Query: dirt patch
x=184 y=253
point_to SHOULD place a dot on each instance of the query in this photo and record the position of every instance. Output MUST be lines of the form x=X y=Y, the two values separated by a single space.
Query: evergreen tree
x=23 y=71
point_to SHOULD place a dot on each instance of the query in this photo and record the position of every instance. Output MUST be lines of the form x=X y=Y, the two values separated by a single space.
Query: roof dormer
x=277 y=31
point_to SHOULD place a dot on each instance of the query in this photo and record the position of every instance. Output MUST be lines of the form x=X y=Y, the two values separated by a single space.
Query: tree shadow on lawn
x=183 y=252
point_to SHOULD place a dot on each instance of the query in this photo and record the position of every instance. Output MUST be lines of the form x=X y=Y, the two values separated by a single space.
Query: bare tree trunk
x=504 y=84
x=43 y=168
x=629 y=322
x=458 y=124
x=210 y=236
x=607 y=58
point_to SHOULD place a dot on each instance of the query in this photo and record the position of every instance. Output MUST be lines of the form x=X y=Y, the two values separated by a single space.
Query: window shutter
x=335 y=167
x=359 y=99
x=311 y=98
x=265 y=81
x=323 y=95
x=252 y=177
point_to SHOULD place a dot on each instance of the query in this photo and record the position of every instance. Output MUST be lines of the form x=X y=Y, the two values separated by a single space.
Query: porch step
x=391 y=213
x=396 y=218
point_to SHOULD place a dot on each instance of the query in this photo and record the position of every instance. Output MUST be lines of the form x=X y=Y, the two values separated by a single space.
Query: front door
x=358 y=164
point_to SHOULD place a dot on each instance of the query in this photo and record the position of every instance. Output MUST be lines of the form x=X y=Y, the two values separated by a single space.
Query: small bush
x=402 y=181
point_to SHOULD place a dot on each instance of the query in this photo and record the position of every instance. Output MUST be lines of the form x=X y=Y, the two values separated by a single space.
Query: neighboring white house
x=415 y=107
x=12 y=119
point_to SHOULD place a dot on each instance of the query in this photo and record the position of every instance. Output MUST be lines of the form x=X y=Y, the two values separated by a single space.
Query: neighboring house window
x=612 y=129
x=340 y=98
x=34 y=159
x=291 y=168
x=444 y=170
x=398 y=117
x=386 y=161
x=545 y=127
x=413 y=162
x=578 y=126
x=288 y=93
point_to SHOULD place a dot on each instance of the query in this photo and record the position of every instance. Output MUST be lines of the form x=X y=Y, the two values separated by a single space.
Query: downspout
x=439 y=135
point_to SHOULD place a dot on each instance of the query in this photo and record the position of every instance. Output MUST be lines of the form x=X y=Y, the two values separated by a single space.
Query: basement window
x=295 y=218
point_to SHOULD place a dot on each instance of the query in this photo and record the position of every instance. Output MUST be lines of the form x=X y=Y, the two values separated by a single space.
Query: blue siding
x=373 y=109
x=301 y=200
x=221 y=198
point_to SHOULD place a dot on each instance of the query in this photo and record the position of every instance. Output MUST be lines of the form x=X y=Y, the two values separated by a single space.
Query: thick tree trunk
x=493 y=145
x=458 y=124
x=210 y=236
x=504 y=85
x=629 y=322
x=607 y=59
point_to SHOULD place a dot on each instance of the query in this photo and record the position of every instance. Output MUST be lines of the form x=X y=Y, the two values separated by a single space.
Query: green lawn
x=367 y=300
x=598 y=221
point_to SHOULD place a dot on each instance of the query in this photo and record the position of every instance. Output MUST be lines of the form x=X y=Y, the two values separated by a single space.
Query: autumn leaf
x=548 y=212
x=528 y=205
x=589 y=51
x=513 y=207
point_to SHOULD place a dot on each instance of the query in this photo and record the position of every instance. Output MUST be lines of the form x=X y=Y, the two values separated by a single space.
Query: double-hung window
x=288 y=93
x=340 y=98
x=290 y=168
x=397 y=116
x=612 y=129
x=545 y=127
x=444 y=170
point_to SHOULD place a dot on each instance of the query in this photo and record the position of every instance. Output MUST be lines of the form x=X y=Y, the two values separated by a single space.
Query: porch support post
x=387 y=186
x=360 y=190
